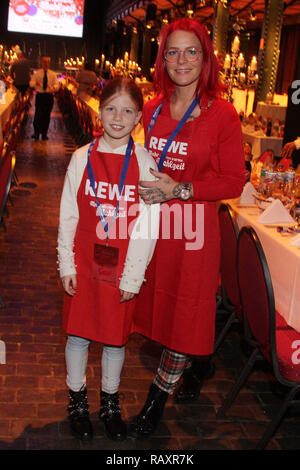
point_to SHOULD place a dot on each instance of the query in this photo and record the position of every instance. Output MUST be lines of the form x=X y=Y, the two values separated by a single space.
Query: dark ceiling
x=245 y=14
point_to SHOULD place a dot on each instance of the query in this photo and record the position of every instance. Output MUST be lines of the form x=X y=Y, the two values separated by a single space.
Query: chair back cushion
x=255 y=285
x=278 y=342
x=6 y=170
x=229 y=234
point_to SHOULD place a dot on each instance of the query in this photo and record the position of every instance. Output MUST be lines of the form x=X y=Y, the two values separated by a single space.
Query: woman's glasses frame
x=174 y=57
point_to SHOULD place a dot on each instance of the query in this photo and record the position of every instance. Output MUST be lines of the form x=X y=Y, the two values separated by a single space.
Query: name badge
x=105 y=264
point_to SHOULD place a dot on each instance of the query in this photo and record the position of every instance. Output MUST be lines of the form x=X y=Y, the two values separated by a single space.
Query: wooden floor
x=33 y=393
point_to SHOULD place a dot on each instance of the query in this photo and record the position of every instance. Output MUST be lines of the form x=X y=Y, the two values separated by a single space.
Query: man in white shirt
x=45 y=83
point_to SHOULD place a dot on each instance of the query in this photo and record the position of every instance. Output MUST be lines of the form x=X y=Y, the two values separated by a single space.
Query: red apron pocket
x=105 y=264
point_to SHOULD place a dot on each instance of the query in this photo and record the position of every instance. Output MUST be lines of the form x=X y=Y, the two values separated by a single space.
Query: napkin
x=276 y=213
x=247 y=195
x=295 y=240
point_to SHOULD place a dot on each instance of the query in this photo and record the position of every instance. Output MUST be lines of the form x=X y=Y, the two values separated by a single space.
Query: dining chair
x=265 y=329
x=230 y=297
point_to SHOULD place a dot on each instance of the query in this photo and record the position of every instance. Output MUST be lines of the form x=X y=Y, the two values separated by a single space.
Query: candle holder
x=251 y=80
x=237 y=75
x=232 y=76
x=125 y=67
x=235 y=47
x=102 y=64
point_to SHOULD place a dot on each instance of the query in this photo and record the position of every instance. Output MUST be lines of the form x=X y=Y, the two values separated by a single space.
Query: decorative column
x=221 y=26
x=269 y=49
x=134 y=49
x=146 y=54
x=119 y=39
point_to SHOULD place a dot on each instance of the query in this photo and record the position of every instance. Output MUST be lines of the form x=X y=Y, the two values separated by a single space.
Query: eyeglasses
x=191 y=54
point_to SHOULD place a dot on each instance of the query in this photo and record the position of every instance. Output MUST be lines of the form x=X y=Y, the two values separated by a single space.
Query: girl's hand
x=153 y=192
x=125 y=296
x=69 y=284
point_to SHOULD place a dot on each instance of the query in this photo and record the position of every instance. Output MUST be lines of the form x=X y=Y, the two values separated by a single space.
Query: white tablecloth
x=6 y=108
x=280 y=99
x=93 y=104
x=271 y=111
x=262 y=143
x=283 y=260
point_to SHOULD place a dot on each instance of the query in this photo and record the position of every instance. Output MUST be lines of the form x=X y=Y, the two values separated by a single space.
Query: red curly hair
x=208 y=82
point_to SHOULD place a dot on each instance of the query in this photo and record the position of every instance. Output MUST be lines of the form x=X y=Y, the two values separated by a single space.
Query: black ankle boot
x=110 y=413
x=193 y=379
x=78 y=410
x=146 y=422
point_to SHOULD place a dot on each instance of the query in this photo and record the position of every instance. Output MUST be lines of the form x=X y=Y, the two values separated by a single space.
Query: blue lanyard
x=121 y=183
x=174 y=133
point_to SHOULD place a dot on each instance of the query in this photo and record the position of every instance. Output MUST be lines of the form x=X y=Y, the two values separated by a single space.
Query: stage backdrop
x=54 y=17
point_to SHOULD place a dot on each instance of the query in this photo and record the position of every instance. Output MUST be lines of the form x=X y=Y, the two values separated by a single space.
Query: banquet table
x=272 y=111
x=6 y=107
x=283 y=260
x=93 y=104
x=260 y=143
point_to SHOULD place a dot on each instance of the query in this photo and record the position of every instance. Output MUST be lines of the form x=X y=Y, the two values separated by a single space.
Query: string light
x=190 y=8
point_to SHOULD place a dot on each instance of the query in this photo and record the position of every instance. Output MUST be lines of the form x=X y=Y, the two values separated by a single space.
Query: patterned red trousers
x=171 y=368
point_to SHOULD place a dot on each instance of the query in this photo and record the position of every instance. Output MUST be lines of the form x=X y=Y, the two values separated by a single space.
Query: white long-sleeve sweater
x=143 y=237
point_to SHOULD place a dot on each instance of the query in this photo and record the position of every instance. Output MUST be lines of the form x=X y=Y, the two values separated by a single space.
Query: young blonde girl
x=105 y=243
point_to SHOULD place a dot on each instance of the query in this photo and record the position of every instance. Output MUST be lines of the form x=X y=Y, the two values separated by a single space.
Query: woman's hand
x=153 y=192
x=69 y=284
x=288 y=149
x=125 y=296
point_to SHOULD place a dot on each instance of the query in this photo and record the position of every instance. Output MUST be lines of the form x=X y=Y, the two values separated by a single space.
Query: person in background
x=20 y=72
x=248 y=158
x=289 y=150
x=86 y=79
x=196 y=139
x=45 y=82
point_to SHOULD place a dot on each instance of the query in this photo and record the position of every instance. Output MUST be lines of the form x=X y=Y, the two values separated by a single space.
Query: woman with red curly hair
x=195 y=137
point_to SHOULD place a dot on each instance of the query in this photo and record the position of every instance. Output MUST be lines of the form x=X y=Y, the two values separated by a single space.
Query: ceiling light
x=252 y=15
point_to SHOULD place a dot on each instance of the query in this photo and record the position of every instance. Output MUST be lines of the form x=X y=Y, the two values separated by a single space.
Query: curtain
x=288 y=67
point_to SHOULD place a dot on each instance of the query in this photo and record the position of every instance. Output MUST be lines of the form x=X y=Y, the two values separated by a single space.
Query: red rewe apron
x=95 y=311
x=176 y=306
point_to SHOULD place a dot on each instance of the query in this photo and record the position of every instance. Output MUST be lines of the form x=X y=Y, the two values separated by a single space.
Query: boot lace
x=78 y=404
